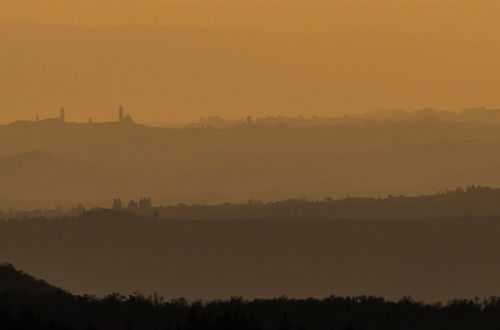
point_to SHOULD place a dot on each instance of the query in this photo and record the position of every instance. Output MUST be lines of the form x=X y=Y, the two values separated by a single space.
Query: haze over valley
x=249 y=165
x=92 y=163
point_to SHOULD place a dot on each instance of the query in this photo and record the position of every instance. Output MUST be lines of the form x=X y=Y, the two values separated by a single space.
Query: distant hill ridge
x=479 y=116
x=474 y=200
x=471 y=201
x=266 y=162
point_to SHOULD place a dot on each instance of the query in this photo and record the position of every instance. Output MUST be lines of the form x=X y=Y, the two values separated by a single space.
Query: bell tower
x=120 y=114
x=62 y=115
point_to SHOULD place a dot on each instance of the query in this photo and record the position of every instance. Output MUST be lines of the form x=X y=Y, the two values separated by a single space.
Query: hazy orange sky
x=433 y=16
x=342 y=57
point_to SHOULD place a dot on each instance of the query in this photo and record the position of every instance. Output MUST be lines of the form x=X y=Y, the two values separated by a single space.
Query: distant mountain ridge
x=479 y=116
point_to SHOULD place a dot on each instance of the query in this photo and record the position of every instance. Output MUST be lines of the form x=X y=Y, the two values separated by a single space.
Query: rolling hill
x=13 y=280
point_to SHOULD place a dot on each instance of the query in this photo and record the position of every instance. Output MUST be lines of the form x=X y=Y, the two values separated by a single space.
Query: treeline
x=471 y=201
x=57 y=309
x=460 y=202
x=57 y=212
x=13 y=214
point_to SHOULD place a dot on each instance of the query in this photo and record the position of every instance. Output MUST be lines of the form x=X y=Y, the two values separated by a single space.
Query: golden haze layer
x=308 y=58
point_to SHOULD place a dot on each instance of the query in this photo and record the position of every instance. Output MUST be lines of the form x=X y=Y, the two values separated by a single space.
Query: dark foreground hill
x=106 y=251
x=24 y=309
x=17 y=281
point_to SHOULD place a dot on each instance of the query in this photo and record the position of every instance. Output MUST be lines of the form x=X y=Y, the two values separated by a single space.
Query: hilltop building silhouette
x=59 y=119
x=120 y=114
x=122 y=118
x=62 y=115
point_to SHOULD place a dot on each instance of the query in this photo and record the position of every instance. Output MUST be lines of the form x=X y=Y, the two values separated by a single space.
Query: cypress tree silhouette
x=193 y=321
x=285 y=323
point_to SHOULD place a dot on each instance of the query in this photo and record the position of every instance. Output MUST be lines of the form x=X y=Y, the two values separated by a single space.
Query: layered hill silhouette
x=262 y=162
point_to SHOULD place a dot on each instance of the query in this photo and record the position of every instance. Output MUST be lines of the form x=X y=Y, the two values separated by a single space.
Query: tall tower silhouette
x=62 y=115
x=120 y=114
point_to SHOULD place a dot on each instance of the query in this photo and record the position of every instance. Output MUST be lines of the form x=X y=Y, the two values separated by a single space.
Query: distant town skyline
x=180 y=74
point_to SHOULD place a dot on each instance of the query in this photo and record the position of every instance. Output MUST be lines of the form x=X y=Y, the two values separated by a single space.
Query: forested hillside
x=109 y=251
x=21 y=309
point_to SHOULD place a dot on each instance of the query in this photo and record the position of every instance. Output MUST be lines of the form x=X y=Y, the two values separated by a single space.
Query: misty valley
x=50 y=163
